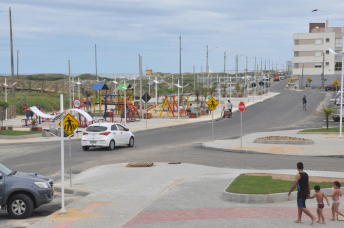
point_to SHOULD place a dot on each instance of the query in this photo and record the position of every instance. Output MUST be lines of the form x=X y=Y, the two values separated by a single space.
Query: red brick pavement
x=149 y=217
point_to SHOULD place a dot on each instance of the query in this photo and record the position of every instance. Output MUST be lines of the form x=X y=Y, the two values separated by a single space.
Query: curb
x=318 y=133
x=21 y=136
x=270 y=198
x=263 y=152
x=41 y=142
x=75 y=192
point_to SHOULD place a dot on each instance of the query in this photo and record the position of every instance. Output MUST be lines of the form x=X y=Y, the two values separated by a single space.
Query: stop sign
x=241 y=106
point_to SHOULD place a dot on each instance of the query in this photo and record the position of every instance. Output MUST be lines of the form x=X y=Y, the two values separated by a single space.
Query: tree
x=224 y=87
x=326 y=112
x=212 y=90
x=197 y=94
x=4 y=105
x=309 y=82
x=237 y=87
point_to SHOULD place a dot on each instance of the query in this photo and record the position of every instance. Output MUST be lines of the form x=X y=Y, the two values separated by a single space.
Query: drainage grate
x=140 y=164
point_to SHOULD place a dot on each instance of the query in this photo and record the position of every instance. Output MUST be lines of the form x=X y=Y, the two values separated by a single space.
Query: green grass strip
x=265 y=185
x=332 y=129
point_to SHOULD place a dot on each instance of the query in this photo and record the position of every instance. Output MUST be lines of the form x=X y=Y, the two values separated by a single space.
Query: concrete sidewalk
x=154 y=123
x=172 y=195
x=324 y=144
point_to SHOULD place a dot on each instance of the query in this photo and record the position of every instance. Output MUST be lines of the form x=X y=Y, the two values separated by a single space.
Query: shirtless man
x=320 y=198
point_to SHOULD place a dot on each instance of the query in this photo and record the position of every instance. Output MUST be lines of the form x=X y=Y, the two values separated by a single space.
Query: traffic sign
x=212 y=103
x=146 y=97
x=254 y=84
x=336 y=83
x=308 y=79
x=77 y=103
x=291 y=80
x=70 y=124
x=241 y=106
x=261 y=83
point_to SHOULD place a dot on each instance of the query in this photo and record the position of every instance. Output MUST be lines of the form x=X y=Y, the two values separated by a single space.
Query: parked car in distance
x=107 y=135
x=276 y=78
x=336 y=115
x=291 y=83
x=281 y=77
x=21 y=193
x=332 y=88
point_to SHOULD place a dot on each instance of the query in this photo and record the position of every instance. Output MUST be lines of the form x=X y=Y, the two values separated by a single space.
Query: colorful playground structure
x=170 y=103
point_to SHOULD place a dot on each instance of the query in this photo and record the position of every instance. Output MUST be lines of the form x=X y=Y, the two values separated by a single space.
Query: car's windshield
x=96 y=129
x=5 y=170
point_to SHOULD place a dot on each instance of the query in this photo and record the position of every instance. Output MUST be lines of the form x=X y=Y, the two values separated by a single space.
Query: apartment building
x=311 y=50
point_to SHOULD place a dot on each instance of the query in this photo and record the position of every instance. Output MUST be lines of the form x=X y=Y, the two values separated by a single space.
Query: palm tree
x=326 y=112
x=197 y=94
x=224 y=87
x=237 y=87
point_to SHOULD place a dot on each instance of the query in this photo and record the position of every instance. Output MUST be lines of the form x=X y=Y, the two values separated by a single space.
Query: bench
x=195 y=114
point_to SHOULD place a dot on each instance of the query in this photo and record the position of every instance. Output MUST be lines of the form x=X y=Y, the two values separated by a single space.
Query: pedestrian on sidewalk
x=320 y=199
x=303 y=191
x=335 y=197
x=304 y=102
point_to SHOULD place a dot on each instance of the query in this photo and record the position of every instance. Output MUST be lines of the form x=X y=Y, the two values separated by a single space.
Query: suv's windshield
x=96 y=129
x=5 y=170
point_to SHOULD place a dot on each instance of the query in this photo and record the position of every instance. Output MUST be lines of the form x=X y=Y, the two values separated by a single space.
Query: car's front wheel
x=85 y=148
x=131 y=142
x=336 y=119
x=20 y=206
x=111 y=145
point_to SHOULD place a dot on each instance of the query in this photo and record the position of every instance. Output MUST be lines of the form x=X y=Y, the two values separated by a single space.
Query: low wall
x=11 y=112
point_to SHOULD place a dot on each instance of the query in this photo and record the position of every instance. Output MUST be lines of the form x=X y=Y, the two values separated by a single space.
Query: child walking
x=320 y=198
x=335 y=197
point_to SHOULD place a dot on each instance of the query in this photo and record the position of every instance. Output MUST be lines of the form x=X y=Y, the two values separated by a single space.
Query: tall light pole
x=207 y=67
x=12 y=67
x=180 y=57
x=178 y=98
x=225 y=58
x=341 y=83
x=95 y=59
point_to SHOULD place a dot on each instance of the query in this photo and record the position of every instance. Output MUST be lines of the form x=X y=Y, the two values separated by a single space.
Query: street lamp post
x=207 y=66
x=178 y=98
x=341 y=83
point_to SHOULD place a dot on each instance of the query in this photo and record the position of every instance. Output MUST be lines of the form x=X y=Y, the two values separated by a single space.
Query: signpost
x=76 y=103
x=146 y=98
x=336 y=83
x=70 y=124
x=241 y=109
x=291 y=80
x=212 y=104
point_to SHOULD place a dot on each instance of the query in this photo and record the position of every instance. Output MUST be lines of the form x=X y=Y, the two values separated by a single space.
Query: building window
x=327 y=64
x=338 y=54
x=318 y=65
x=318 y=41
x=327 y=40
x=327 y=52
x=338 y=66
x=338 y=42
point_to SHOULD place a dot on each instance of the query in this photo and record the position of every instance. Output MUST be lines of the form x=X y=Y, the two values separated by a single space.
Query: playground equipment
x=171 y=108
x=97 y=93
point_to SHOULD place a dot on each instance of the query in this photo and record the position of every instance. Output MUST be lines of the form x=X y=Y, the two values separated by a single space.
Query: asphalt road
x=180 y=144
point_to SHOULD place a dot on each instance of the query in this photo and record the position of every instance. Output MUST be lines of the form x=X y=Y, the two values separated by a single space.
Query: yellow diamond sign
x=212 y=103
x=308 y=79
x=70 y=124
x=291 y=80
x=336 y=83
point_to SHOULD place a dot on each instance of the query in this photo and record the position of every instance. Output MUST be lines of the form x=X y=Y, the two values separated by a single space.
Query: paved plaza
x=173 y=195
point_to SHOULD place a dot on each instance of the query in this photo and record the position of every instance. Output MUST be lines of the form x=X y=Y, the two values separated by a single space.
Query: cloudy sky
x=49 y=33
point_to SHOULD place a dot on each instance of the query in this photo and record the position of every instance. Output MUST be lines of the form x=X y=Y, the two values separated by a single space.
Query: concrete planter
x=270 y=198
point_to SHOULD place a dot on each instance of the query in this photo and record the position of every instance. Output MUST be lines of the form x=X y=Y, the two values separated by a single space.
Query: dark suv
x=21 y=193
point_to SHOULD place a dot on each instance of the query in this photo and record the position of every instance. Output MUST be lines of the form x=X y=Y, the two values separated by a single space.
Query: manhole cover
x=140 y=164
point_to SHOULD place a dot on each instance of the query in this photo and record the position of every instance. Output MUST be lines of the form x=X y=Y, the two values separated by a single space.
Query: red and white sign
x=241 y=106
x=77 y=103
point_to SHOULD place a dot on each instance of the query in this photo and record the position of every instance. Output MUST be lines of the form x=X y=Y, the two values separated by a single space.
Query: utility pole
x=265 y=66
x=12 y=67
x=322 y=75
x=224 y=69
x=302 y=75
x=70 y=98
x=206 y=66
x=140 y=72
x=194 y=78
x=180 y=57
x=269 y=65
x=17 y=64
x=261 y=64
x=95 y=53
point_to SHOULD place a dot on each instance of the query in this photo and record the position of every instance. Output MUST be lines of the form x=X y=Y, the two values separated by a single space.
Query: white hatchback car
x=107 y=135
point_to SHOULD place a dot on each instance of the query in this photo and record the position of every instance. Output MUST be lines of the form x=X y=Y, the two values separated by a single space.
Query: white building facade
x=311 y=50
